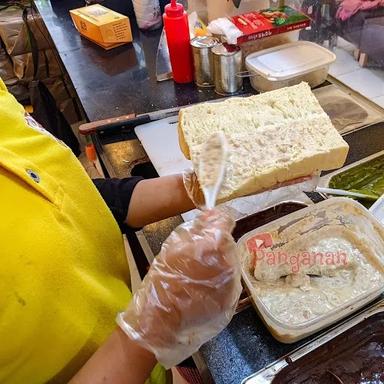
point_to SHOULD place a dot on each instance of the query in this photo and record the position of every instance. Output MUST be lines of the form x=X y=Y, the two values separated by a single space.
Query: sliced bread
x=272 y=138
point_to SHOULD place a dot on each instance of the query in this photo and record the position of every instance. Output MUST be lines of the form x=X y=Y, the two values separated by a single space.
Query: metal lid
x=204 y=42
x=225 y=49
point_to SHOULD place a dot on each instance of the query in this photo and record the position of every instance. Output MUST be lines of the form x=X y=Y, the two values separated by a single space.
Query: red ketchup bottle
x=177 y=32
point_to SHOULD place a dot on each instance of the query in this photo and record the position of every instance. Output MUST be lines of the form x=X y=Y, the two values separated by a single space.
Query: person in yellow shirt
x=64 y=275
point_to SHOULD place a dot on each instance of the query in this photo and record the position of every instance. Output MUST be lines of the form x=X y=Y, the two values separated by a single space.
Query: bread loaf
x=272 y=138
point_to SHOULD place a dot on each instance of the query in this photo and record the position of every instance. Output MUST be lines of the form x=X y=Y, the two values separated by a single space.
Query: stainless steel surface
x=203 y=60
x=347 y=110
x=267 y=375
x=355 y=94
x=163 y=63
x=227 y=62
x=122 y=156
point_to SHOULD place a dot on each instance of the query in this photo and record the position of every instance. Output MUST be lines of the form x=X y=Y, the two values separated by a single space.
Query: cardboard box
x=269 y=22
x=102 y=25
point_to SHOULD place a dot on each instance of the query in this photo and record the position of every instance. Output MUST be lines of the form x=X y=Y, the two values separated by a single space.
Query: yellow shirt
x=63 y=271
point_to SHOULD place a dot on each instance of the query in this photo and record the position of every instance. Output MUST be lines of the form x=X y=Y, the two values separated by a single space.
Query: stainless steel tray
x=347 y=110
x=324 y=180
x=268 y=374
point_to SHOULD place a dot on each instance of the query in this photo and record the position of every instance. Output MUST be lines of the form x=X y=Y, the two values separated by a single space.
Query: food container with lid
x=339 y=217
x=289 y=64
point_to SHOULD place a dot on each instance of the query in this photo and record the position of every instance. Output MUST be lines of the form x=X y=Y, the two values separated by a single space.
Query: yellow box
x=102 y=25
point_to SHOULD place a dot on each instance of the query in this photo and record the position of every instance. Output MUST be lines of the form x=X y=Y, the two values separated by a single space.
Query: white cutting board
x=160 y=141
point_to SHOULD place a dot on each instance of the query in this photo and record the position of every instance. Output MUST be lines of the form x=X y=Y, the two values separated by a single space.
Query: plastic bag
x=147 y=12
x=190 y=292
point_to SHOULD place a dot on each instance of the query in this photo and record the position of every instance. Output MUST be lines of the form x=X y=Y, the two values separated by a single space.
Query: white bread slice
x=272 y=138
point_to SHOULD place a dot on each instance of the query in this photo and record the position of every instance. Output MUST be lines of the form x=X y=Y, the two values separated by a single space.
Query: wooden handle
x=93 y=126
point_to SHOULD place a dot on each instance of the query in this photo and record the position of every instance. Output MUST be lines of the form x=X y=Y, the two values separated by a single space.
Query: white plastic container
x=338 y=212
x=289 y=64
x=377 y=209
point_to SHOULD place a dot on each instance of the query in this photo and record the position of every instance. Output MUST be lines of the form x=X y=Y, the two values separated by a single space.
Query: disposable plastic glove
x=190 y=292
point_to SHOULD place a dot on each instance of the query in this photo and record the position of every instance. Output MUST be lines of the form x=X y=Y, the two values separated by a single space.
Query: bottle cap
x=174 y=9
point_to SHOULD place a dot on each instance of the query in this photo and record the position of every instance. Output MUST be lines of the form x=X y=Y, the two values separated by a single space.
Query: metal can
x=202 y=60
x=227 y=62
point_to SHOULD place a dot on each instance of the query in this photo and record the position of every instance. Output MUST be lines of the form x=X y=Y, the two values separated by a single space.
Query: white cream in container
x=296 y=300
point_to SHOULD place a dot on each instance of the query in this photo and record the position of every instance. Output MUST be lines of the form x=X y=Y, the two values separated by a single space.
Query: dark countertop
x=119 y=81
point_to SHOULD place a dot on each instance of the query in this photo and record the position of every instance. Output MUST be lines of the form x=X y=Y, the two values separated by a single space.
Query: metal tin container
x=227 y=62
x=202 y=60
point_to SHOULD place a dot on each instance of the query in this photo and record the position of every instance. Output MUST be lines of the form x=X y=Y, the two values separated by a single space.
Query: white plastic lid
x=289 y=60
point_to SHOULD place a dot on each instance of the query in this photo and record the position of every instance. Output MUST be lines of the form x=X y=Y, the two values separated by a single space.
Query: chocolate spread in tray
x=354 y=357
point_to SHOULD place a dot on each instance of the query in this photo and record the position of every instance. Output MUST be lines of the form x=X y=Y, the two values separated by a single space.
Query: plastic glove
x=190 y=292
x=195 y=193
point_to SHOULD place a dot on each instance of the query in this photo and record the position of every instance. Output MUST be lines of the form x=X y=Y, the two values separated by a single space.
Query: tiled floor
x=367 y=81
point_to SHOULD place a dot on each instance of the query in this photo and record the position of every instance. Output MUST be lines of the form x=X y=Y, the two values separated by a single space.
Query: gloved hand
x=195 y=193
x=190 y=292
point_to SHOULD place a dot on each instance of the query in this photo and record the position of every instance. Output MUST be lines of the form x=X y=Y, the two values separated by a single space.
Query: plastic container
x=178 y=40
x=377 y=209
x=289 y=64
x=338 y=212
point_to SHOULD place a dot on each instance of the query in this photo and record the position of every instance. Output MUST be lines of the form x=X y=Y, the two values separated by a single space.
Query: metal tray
x=325 y=180
x=346 y=109
x=280 y=366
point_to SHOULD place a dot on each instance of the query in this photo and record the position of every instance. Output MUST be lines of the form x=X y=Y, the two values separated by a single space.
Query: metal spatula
x=212 y=167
